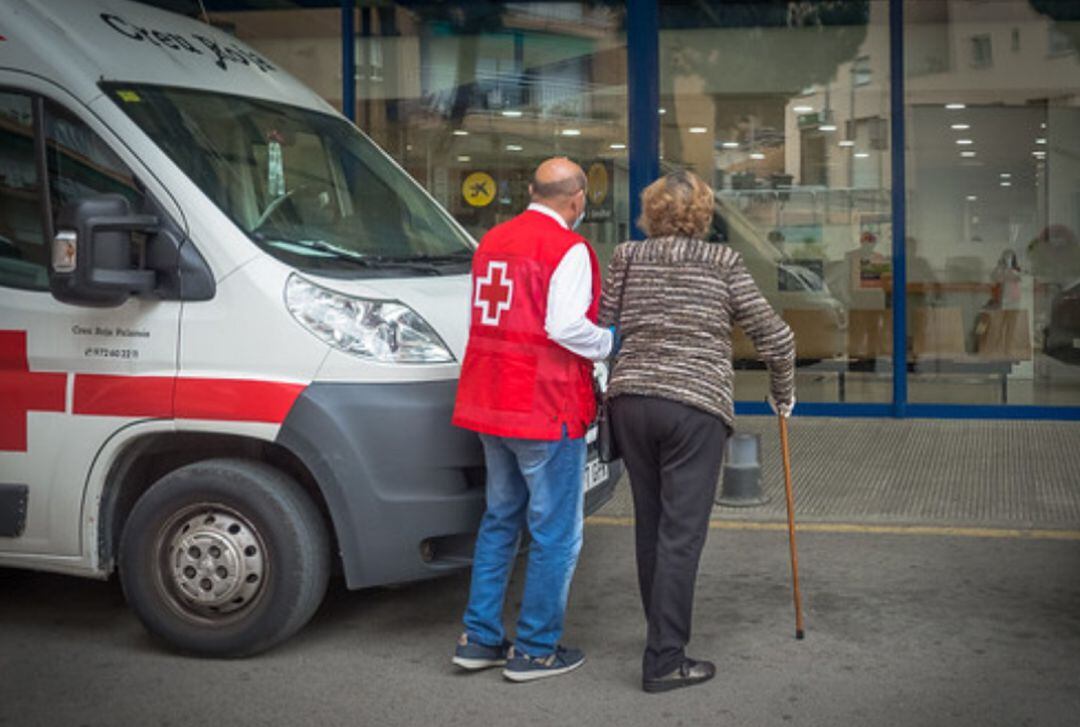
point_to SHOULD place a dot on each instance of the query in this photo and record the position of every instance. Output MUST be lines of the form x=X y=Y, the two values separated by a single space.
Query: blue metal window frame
x=348 y=59
x=643 y=100
x=899 y=207
x=643 y=104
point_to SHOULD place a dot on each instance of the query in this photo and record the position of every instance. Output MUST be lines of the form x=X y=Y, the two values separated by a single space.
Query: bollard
x=741 y=484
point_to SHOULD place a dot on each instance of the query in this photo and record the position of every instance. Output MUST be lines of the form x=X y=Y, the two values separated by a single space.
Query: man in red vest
x=526 y=387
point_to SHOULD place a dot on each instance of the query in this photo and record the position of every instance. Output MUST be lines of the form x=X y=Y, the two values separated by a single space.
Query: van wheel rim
x=214 y=563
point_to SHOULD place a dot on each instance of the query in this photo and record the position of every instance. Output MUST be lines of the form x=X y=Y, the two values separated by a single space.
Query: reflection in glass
x=784 y=107
x=993 y=253
x=470 y=97
x=23 y=255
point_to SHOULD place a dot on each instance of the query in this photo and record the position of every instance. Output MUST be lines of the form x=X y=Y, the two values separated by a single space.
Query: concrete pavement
x=916 y=629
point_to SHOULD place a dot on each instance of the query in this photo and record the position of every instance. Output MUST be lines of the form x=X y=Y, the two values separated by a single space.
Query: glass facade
x=993 y=156
x=788 y=118
x=851 y=143
x=470 y=97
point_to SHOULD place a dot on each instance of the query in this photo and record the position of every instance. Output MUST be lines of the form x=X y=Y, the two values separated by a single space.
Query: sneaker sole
x=477 y=664
x=533 y=675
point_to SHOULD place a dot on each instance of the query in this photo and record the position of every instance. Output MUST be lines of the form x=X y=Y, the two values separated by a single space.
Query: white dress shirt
x=569 y=297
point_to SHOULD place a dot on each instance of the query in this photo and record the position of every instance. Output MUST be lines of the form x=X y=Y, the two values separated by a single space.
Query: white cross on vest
x=493 y=296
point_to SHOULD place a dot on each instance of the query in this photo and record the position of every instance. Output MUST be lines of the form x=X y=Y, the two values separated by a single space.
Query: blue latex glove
x=616 y=341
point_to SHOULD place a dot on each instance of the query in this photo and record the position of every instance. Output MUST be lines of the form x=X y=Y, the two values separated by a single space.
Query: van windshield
x=305 y=186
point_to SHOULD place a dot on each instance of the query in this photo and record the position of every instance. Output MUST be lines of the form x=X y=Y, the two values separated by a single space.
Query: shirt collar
x=545 y=210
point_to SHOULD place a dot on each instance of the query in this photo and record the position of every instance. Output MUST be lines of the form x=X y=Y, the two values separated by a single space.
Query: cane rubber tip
x=799 y=634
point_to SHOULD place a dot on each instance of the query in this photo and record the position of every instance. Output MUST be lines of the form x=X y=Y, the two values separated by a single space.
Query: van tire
x=224 y=558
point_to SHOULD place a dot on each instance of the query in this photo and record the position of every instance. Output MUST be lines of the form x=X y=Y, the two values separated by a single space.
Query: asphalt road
x=901 y=630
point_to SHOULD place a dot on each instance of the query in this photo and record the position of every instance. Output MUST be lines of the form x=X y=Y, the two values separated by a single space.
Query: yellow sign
x=598 y=183
x=128 y=96
x=478 y=189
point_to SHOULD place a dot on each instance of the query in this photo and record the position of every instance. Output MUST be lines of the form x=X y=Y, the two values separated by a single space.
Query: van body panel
x=245 y=332
x=117 y=40
x=100 y=354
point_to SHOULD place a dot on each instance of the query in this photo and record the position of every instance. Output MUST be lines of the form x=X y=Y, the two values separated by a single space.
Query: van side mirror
x=99 y=252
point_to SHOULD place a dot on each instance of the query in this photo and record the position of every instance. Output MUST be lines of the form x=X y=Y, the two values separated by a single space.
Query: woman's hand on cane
x=781 y=408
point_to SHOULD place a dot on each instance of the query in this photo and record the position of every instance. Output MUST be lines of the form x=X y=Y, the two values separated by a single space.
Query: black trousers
x=672 y=453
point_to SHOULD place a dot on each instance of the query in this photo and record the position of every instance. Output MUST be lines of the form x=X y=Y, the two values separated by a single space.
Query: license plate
x=596 y=473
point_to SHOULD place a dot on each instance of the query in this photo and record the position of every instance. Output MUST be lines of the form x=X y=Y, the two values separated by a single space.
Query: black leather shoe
x=688 y=673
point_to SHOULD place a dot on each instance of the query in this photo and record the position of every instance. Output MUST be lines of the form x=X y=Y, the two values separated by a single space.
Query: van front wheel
x=224 y=558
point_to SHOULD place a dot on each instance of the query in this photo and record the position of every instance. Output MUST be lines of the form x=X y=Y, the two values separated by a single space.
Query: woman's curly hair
x=679 y=203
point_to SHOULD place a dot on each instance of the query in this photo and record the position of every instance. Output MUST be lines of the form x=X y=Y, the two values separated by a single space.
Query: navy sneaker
x=473 y=656
x=521 y=667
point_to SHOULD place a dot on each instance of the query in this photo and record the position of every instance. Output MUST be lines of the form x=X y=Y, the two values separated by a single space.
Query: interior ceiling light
x=464 y=158
x=967 y=154
x=730 y=145
x=960 y=127
x=512 y=114
x=514 y=147
x=1006 y=184
x=662 y=111
x=827 y=127
x=698 y=129
x=757 y=155
x=802 y=109
x=460 y=132
x=845 y=142
x=1040 y=140
x=617 y=146
x=964 y=142
x=571 y=132
x=862 y=154
x=1006 y=175
x=955 y=106
x=972 y=198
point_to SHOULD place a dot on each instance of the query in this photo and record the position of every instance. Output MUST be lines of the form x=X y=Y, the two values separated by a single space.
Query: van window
x=23 y=252
x=307 y=187
x=81 y=164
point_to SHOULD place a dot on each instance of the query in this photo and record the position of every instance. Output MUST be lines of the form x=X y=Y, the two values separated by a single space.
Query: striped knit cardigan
x=681 y=298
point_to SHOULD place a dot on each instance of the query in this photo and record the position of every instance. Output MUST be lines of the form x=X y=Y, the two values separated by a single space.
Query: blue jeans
x=538 y=484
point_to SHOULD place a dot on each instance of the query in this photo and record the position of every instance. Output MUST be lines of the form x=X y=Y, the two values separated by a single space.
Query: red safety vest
x=515 y=381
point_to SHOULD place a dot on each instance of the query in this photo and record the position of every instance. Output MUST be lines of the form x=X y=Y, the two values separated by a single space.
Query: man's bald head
x=556 y=180
x=559 y=185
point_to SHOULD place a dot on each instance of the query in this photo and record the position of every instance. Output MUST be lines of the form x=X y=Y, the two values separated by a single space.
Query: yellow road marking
x=959 y=532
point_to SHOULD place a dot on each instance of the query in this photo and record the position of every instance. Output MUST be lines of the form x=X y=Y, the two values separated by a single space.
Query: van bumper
x=404 y=488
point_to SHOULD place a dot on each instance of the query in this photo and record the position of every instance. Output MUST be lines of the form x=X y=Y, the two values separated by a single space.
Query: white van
x=230 y=332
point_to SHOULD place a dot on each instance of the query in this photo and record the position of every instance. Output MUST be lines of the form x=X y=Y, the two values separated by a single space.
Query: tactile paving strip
x=1020 y=474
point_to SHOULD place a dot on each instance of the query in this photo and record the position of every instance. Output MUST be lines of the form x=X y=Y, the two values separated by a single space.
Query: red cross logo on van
x=22 y=391
x=493 y=294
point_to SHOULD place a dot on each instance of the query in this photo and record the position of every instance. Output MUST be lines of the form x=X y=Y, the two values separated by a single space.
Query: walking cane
x=791 y=526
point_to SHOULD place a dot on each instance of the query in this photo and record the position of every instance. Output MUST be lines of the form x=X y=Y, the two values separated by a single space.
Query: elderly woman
x=674 y=299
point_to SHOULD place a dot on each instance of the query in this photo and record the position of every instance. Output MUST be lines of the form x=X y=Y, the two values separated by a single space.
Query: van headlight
x=385 y=331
